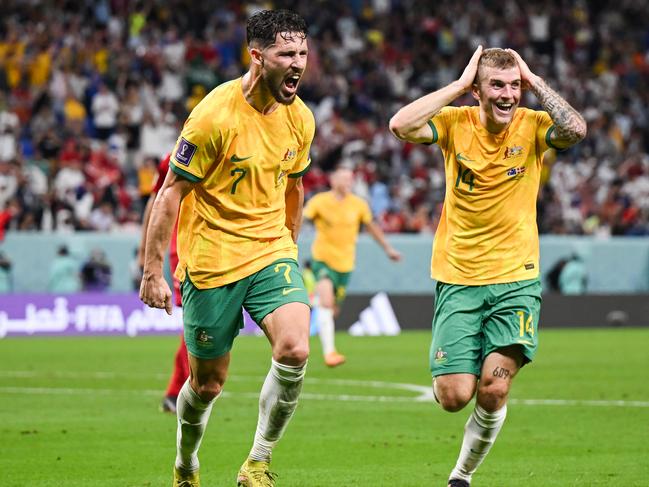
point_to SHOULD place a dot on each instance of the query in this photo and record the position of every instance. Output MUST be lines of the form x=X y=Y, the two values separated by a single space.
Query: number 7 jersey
x=234 y=221
x=487 y=232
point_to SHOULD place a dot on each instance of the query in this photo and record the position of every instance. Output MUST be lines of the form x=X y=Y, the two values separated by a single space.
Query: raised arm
x=378 y=235
x=411 y=122
x=294 y=198
x=570 y=126
x=154 y=290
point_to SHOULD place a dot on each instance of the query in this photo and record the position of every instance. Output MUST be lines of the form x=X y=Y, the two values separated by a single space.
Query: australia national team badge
x=515 y=151
x=440 y=356
x=289 y=155
x=184 y=152
x=203 y=339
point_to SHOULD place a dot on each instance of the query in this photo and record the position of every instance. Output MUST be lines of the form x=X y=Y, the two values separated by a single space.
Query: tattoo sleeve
x=570 y=126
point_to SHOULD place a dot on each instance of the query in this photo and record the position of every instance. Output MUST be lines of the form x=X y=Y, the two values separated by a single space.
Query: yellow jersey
x=337 y=222
x=234 y=221
x=487 y=232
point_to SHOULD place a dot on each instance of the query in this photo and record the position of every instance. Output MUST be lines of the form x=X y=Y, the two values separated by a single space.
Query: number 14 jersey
x=487 y=232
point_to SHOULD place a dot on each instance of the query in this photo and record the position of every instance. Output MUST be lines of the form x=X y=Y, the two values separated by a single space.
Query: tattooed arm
x=570 y=126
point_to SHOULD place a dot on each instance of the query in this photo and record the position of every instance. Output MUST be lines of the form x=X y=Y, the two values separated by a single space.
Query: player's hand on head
x=526 y=73
x=471 y=70
x=155 y=292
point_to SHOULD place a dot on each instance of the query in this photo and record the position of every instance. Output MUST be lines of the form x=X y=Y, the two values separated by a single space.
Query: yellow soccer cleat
x=334 y=359
x=186 y=479
x=255 y=474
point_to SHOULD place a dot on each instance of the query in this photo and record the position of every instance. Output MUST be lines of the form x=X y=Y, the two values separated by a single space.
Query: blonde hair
x=495 y=57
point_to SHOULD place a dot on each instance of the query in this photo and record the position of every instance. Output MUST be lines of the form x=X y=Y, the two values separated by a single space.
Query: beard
x=274 y=83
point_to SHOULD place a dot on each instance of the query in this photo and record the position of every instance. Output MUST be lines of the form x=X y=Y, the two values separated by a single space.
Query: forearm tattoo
x=570 y=126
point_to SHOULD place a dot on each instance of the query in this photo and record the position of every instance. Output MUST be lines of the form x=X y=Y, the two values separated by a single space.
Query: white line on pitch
x=319 y=397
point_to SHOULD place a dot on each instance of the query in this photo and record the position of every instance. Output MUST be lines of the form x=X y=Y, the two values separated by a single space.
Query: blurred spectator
x=64 y=273
x=105 y=108
x=9 y=130
x=573 y=277
x=129 y=77
x=136 y=271
x=96 y=272
x=6 y=284
x=553 y=275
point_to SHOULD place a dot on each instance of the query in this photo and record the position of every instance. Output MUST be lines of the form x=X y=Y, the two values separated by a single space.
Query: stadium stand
x=91 y=93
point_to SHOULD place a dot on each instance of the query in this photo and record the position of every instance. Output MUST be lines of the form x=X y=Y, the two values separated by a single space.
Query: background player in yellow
x=338 y=215
x=236 y=175
x=486 y=249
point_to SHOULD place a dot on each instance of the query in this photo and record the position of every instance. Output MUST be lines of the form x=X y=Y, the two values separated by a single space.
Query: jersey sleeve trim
x=302 y=172
x=184 y=174
x=435 y=134
x=548 y=138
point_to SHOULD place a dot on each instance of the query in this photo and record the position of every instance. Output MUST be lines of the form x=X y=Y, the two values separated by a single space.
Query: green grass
x=83 y=412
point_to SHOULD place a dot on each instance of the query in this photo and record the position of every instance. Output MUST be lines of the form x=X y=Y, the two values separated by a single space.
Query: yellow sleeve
x=303 y=160
x=196 y=149
x=366 y=212
x=311 y=209
x=440 y=124
x=544 y=129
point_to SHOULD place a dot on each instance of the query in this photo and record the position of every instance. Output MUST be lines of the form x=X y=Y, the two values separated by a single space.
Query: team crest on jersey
x=440 y=356
x=203 y=339
x=289 y=155
x=515 y=151
x=185 y=151
x=516 y=172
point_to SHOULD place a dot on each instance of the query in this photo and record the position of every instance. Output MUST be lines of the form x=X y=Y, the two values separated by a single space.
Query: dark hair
x=264 y=26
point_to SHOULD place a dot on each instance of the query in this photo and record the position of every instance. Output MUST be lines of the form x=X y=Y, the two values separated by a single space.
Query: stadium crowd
x=93 y=93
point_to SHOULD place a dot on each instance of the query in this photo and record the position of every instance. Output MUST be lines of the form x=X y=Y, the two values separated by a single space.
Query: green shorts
x=212 y=317
x=472 y=321
x=339 y=279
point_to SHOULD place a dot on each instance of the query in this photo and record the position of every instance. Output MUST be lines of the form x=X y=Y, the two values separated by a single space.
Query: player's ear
x=475 y=90
x=256 y=55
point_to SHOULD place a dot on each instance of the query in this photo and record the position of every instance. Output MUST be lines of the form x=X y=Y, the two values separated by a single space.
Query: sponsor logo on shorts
x=185 y=152
x=440 y=356
x=289 y=290
x=203 y=338
x=529 y=266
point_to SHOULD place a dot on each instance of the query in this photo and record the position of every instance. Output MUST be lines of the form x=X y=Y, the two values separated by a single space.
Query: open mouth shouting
x=290 y=84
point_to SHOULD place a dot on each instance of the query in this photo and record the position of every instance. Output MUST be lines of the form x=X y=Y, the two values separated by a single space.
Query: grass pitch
x=83 y=412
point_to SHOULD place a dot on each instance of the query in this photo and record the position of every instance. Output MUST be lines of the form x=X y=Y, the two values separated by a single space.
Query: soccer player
x=338 y=215
x=180 y=370
x=486 y=248
x=236 y=174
